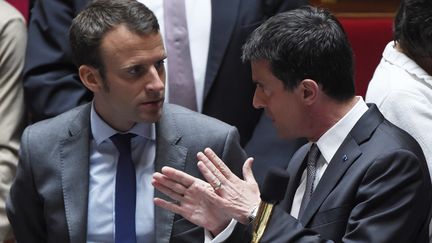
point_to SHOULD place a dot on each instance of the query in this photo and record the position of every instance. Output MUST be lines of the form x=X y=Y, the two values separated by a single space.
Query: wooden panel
x=354 y=8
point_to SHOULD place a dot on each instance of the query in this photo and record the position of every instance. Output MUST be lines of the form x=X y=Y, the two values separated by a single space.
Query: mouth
x=153 y=104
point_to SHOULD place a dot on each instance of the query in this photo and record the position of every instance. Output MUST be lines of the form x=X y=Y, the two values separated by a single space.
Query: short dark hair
x=98 y=18
x=307 y=42
x=413 y=27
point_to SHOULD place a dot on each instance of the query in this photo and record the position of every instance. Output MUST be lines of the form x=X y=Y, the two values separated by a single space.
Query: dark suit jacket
x=376 y=189
x=49 y=197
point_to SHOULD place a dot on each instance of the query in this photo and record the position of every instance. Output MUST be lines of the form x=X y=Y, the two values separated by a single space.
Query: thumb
x=247 y=170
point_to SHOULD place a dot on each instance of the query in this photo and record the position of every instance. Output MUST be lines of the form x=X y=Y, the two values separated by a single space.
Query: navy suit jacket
x=376 y=189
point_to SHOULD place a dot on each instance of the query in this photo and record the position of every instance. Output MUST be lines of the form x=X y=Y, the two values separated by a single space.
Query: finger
x=179 y=176
x=167 y=182
x=247 y=170
x=213 y=169
x=167 y=191
x=220 y=165
x=210 y=161
x=209 y=175
x=173 y=207
x=199 y=190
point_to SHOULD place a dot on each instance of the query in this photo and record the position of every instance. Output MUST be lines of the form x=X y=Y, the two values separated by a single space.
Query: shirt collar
x=101 y=131
x=398 y=58
x=331 y=140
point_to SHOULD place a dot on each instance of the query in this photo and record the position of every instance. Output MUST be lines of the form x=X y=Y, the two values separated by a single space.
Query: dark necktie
x=312 y=159
x=125 y=190
x=180 y=72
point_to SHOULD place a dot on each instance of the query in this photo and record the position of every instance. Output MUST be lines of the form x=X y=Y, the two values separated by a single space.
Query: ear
x=91 y=78
x=309 y=90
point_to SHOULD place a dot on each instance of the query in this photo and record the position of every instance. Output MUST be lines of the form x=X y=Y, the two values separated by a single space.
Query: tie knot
x=313 y=155
x=122 y=141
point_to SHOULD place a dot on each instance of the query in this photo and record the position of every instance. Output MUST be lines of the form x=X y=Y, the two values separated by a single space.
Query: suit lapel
x=347 y=154
x=295 y=169
x=342 y=160
x=74 y=156
x=224 y=14
x=168 y=153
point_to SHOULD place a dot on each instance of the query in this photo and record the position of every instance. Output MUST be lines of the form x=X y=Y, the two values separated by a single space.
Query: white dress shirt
x=198 y=17
x=103 y=164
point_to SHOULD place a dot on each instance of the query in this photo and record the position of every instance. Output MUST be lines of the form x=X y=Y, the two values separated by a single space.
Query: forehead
x=122 y=44
x=261 y=69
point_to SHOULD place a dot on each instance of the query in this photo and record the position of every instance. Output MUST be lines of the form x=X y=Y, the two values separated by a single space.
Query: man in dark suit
x=359 y=179
x=69 y=180
x=52 y=85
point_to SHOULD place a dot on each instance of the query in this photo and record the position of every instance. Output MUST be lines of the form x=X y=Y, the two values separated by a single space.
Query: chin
x=151 y=118
x=283 y=136
x=143 y=114
x=282 y=133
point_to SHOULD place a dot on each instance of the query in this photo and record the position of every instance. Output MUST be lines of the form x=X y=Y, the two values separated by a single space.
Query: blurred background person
x=13 y=36
x=402 y=83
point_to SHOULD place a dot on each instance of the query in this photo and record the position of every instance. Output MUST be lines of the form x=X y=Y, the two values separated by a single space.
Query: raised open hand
x=194 y=199
x=209 y=204
x=238 y=197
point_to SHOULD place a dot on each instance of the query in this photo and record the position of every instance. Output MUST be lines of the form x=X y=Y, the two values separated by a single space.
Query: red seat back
x=368 y=37
x=22 y=6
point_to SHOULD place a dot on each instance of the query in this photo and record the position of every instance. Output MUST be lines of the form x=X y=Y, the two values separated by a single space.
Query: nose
x=157 y=80
x=258 y=99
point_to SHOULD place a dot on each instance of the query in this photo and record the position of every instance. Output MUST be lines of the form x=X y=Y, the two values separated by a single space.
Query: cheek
x=123 y=98
x=286 y=113
x=287 y=119
x=133 y=92
x=278 y=107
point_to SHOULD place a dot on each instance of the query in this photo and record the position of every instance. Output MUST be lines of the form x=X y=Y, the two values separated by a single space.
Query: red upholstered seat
x=368 y=37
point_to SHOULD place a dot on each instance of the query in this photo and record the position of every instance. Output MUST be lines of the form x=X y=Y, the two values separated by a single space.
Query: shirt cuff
x=222 y=236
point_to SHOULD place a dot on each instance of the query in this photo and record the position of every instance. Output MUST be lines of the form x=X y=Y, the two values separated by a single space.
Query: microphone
x=273 y=191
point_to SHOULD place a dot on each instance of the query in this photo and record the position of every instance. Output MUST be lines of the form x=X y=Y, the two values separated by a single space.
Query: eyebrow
x=133 y=63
